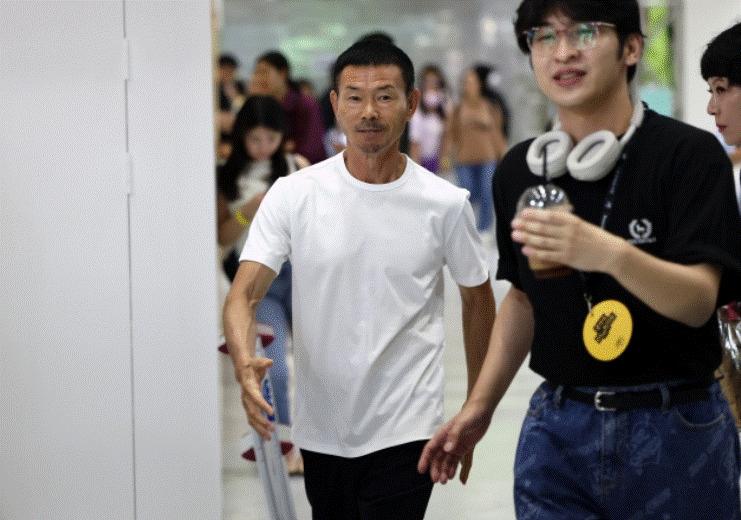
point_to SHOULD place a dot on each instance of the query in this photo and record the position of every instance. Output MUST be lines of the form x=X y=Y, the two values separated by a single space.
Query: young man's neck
x=376 y=168
x=613 y=115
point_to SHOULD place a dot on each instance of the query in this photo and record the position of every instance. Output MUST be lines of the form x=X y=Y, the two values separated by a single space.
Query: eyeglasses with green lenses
x=581 y=36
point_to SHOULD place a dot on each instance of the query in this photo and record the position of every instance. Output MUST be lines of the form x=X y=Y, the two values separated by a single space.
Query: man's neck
x=379 y=168
x=613 y=115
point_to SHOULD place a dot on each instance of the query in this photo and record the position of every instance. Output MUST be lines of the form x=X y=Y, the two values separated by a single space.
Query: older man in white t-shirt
x=368 y=233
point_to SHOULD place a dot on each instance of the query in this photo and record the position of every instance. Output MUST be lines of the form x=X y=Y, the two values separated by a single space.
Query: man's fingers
x=448 y=467
x=257 y=408
x=432 y=448
x=466 y=466
x=254 y=403
x=260 y=366
x=443 y=465
x=262 y=426
x=424 y=459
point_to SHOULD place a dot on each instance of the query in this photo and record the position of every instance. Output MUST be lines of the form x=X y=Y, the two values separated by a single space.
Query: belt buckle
x=598 y=401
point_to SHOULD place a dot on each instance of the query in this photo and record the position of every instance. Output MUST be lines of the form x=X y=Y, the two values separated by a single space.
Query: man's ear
x=633 y=49
x=413 y=102
x=333 y=100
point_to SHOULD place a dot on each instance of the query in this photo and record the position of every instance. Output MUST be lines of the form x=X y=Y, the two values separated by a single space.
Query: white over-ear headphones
x=590 y=160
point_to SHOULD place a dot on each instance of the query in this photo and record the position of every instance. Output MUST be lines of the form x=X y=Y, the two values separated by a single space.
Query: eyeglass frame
x=529 y=35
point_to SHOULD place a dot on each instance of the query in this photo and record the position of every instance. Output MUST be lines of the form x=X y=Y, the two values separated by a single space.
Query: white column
x=699 y=21
x=173 y=250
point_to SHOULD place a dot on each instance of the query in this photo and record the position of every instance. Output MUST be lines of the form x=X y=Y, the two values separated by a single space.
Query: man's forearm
x=240 y=328
x=511 y=338
x=240 y=332
x=684 y=293
x=479 y=309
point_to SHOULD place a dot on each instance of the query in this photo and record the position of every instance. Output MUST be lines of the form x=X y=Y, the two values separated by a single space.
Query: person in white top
x=428 y=123
x=368 y=233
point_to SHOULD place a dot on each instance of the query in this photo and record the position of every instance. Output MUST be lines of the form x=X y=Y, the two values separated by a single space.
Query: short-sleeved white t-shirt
x=367 y=298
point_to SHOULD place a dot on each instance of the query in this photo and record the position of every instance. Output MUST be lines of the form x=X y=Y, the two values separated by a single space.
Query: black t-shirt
x=675 y=200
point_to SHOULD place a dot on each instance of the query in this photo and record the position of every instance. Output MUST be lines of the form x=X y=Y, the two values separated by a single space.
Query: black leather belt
x=612 y=401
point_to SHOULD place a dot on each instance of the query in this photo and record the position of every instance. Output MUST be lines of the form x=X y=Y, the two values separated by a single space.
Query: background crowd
x=272 y=125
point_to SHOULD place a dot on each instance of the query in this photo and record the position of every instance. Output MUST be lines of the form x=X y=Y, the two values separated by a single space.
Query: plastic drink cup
x=545 y=196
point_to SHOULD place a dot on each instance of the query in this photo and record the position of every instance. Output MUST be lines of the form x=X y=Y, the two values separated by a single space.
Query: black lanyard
x=606 y=211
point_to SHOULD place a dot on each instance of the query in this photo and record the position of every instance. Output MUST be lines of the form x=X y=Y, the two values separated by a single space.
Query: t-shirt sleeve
x=704 y=224
x=464 y=252
x=507 y=261
x=268 y=241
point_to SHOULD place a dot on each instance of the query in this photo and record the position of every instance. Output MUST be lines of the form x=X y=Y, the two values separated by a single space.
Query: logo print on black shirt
x=603 y=326
x=640 y=230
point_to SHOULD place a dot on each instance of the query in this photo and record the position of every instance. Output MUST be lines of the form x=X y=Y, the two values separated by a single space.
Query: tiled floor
x=488 y=494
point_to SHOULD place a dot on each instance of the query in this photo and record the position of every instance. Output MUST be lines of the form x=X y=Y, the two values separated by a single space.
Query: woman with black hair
x=721 y=68
x=304 y=130
x=258 y=159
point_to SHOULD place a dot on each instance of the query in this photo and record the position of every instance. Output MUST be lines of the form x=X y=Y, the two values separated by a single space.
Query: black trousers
x=383 y=485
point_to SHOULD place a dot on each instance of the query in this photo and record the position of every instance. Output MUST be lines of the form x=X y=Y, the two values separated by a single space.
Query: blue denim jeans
x=476 y=178
x=574 y=462
x=275 y=310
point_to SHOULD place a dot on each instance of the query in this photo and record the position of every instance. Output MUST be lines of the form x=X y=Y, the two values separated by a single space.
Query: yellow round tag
x=607 y=330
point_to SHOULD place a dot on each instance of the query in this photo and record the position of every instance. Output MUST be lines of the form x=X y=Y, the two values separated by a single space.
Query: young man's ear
x=633 y=49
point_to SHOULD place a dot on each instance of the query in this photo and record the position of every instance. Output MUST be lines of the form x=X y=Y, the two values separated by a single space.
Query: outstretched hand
x=252 y=399
x=453 y=444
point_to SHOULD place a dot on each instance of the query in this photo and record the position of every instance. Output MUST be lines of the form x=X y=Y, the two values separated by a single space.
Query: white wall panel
x=108 y=383
x=173 y=247
x=65 y=357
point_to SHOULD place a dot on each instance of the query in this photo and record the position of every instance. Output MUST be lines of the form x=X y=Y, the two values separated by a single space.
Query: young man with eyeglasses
x=629 y=422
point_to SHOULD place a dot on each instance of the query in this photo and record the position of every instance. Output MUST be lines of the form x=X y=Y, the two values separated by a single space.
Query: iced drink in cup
x=545 y=196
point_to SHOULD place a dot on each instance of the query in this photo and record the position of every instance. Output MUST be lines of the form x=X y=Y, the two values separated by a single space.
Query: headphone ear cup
x=594 y=157
x=558 y=144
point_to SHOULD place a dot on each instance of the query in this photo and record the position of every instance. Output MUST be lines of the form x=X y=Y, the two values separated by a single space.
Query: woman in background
x=304 y=131
x=474 y=141
x=427 y=125
x=721 y=68
x=257 y=160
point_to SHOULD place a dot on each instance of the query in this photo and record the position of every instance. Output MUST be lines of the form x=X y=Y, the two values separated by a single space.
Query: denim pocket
x=524 y=453
x=701 y=415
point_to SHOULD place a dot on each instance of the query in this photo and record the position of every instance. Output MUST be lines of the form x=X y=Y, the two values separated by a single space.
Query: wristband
x=241 y=218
